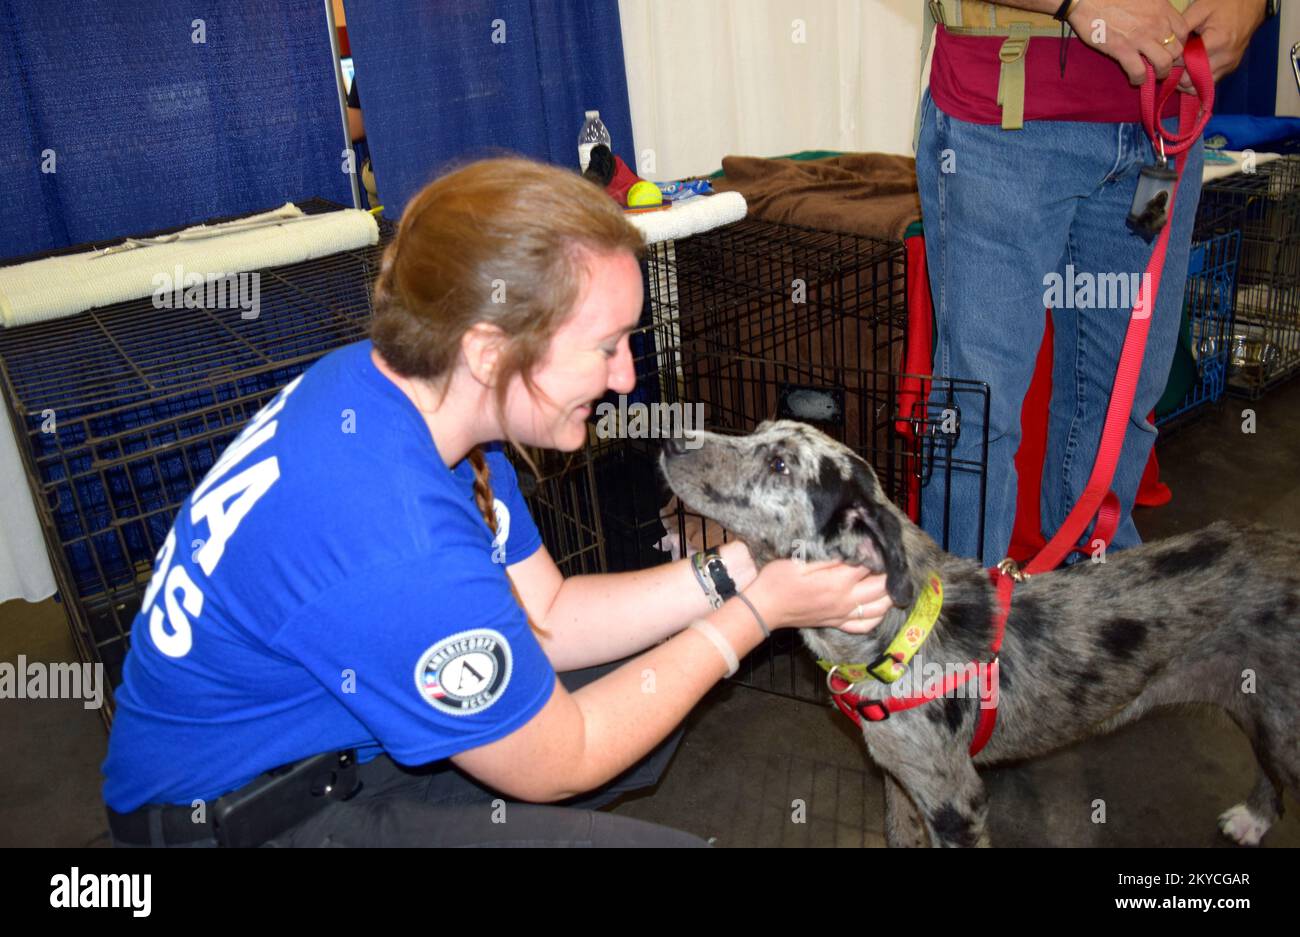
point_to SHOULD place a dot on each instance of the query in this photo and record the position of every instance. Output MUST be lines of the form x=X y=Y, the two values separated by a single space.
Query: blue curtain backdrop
x=151 y=129
x=1252 y=88
x=436 y=89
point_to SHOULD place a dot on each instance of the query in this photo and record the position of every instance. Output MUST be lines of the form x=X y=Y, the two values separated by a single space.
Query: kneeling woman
x=359 y=574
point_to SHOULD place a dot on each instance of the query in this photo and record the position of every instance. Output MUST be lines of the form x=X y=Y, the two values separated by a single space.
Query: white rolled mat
x=64 y=286
x=693 y=216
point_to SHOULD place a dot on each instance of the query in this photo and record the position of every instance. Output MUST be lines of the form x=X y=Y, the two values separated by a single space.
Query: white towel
x=63 y=286
x=693 y=216
x=1214 y=170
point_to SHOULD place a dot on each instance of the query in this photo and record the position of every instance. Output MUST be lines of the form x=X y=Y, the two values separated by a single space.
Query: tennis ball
x=644 y=193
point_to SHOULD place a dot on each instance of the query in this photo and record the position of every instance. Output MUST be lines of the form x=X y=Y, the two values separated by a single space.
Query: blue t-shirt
x=330 y=584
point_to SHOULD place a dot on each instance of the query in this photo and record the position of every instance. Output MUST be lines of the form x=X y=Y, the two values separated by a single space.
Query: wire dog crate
x=1205 y=339
x=121 y=411
x=751 y=322
x=1265 y=205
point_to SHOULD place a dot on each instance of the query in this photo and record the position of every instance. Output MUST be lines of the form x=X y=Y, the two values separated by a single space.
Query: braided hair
x=483 y=498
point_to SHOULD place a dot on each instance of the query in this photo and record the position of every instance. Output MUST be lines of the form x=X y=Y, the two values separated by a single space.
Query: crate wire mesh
x=758 y=321
x=120 y=412
x=1206 y=337
x=1265 y=207
x=868 y=422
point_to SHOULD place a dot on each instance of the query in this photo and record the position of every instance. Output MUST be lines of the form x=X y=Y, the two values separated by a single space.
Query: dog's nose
x=674 y=446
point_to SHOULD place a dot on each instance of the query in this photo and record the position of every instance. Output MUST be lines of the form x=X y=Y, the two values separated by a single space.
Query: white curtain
x=711 y=78
x=24 y=565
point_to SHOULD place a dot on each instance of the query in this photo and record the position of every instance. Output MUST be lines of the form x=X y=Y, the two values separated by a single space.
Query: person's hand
x=740 y=565
x=872 y=610
x=1225 y=27
x=1133 y=30
x=795 y=594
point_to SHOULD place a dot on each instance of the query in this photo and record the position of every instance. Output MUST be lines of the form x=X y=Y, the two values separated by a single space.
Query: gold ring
x=1172 y=37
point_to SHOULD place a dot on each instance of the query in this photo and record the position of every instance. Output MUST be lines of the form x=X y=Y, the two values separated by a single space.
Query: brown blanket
x=871 y=194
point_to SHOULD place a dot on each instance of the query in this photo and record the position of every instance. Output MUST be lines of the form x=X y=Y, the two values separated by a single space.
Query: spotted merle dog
x=1209 y=617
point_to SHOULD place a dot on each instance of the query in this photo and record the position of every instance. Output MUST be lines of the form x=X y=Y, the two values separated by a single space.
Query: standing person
x=359 y=571
x=1027 y=162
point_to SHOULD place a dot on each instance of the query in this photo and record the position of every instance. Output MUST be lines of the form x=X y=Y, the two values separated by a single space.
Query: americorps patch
x=465 y=673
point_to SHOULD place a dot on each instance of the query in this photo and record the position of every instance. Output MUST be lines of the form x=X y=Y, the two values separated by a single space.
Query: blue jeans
x=1003 y=211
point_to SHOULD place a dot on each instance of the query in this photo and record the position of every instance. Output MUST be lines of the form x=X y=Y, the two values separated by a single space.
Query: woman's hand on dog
x=796 y=594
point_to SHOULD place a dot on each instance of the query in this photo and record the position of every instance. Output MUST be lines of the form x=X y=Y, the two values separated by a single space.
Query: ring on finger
x=1172 y=37
x=858 y=612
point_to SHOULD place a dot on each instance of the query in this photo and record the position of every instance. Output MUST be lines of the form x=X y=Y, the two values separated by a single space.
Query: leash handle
x=1155 y=95
x=1192 y=120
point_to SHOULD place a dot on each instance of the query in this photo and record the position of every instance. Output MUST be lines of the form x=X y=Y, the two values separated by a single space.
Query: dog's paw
x=1242 y=825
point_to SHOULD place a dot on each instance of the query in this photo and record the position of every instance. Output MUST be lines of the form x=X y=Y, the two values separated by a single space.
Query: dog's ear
x=860 y=527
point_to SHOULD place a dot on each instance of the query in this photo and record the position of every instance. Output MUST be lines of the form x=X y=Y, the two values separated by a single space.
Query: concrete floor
x=747 y=755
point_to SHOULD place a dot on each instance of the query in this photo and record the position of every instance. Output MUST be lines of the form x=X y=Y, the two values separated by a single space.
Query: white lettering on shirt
x=247 y=489
x=181 y=638
x=172 y=630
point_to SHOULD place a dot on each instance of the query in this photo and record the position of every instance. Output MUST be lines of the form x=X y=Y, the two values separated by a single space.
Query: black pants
x=440 y=806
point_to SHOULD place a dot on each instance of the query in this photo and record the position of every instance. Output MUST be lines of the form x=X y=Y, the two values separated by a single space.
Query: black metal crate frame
x=120 y=411
x=138 y=427
x=1209 y=298
x=1265 y=206
x=633 y=527
x=720 y=328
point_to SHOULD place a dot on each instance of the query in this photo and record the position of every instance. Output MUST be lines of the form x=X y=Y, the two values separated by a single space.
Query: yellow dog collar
x=892 y=664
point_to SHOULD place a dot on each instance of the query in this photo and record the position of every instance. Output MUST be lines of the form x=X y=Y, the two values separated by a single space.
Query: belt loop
x=1011 y=80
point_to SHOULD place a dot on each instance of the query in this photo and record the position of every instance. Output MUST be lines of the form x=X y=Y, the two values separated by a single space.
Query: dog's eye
x=778 y=466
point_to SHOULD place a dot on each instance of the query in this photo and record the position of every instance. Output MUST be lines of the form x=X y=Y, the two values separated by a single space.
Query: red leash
x=1097 y=499
x=1193 y=115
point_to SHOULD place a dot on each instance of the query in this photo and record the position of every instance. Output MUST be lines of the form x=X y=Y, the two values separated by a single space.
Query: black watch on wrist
x=717 y=571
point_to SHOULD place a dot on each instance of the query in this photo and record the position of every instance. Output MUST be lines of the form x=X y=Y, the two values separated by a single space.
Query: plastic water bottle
x=593 y=133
